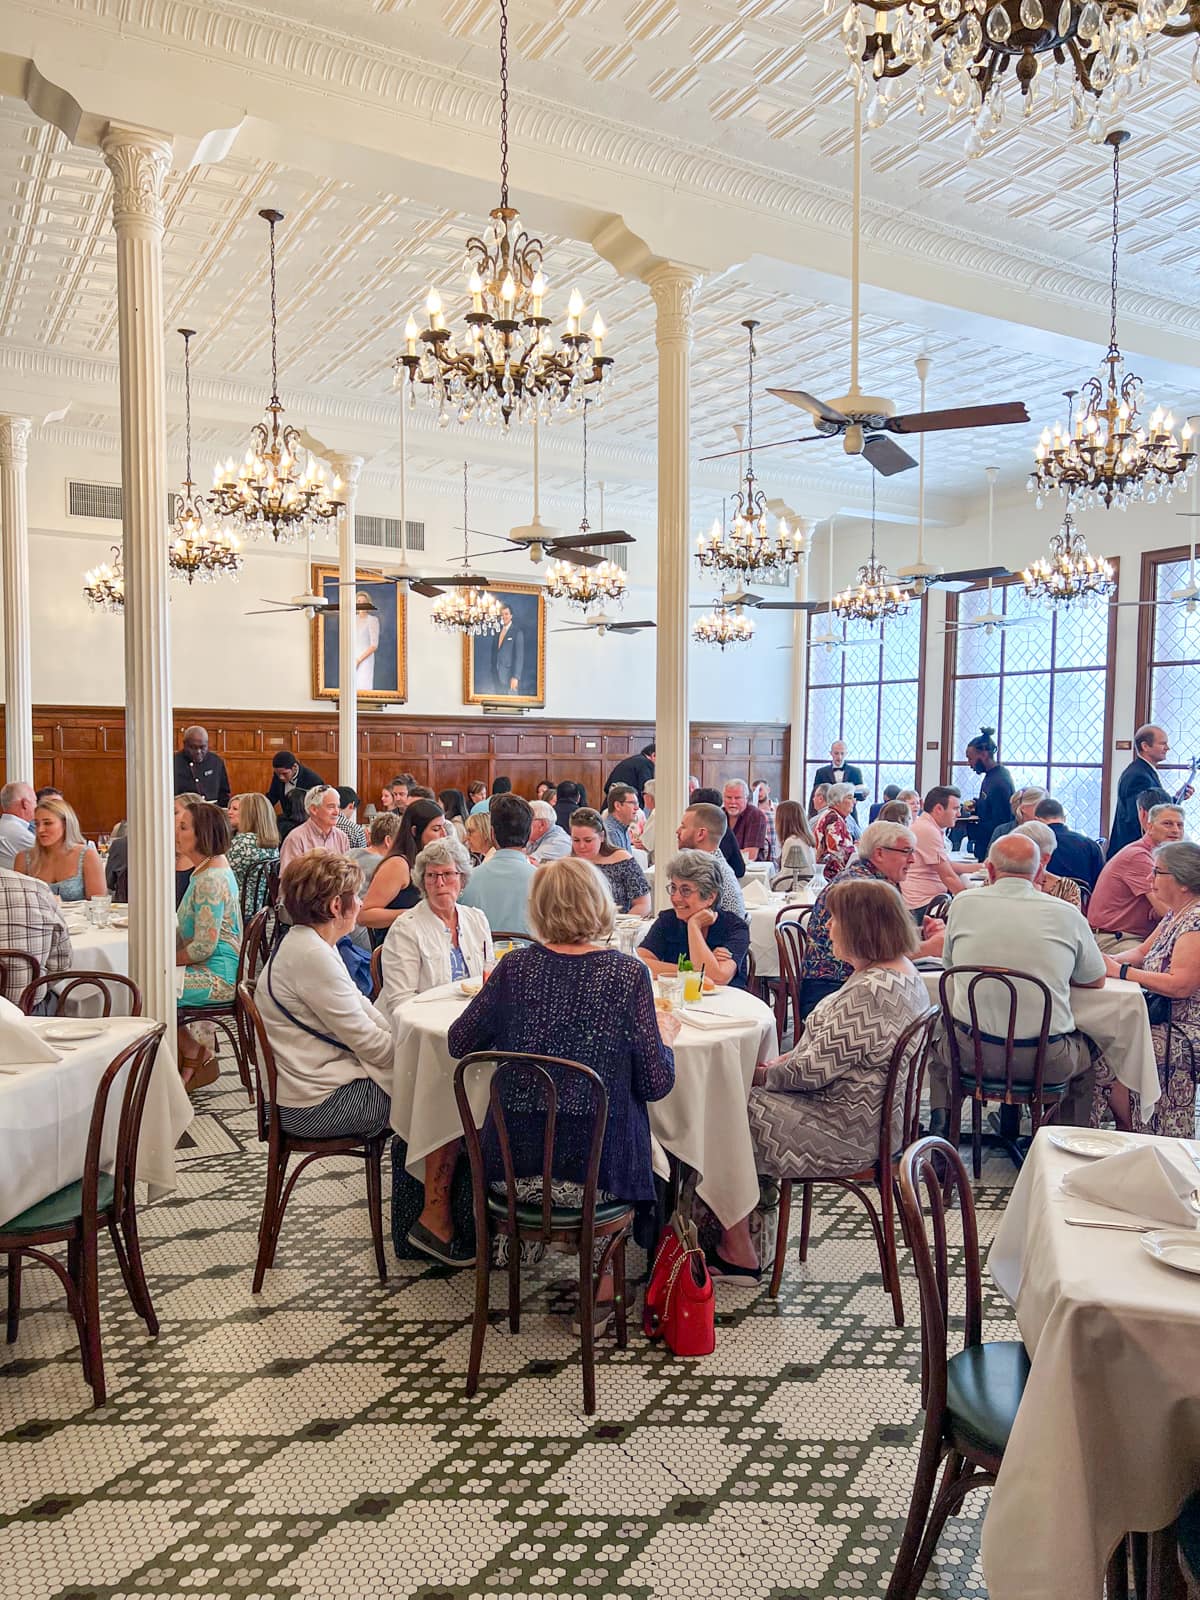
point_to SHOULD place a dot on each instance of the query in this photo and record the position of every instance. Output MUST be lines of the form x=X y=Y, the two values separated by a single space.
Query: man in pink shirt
x=932 y=872
x=1121 y=912
x=319 y=831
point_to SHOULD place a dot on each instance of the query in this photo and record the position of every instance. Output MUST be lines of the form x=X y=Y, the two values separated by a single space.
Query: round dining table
x=702 y=1121
x=95 y=949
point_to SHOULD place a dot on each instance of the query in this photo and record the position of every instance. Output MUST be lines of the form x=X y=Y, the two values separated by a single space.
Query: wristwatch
x=1124 y=971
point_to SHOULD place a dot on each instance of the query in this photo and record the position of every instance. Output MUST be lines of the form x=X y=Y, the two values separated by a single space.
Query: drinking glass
x=693 y=986
x=99 y=910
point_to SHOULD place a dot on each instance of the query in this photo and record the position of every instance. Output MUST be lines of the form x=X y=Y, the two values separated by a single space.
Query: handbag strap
x=314 y=1033
x=676 y=1268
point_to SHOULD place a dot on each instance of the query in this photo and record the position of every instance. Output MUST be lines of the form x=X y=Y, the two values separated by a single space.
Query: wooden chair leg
x=888 y=1259
x=805 y=1220
x=976 y=1137
x=138 y=1299
x=374 y=1164
x=514 y=1284
x=619 y=1292
x=14 y=1295
x=268 y=1225
x=922 y=1528
x=781 y=1236
x=587 y=1333
x=89 y=1296
x=479 y=1321
x=1116 y=1574
x=133 y=1244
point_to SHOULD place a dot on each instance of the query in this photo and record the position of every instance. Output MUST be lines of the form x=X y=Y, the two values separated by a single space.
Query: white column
x=795 y=772
x=14 y=529
x=138 y=161
x=674 y=289
x=348 y=469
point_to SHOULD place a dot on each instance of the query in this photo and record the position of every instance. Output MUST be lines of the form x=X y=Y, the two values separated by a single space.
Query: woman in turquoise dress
x=209 y=928
x=60 y=857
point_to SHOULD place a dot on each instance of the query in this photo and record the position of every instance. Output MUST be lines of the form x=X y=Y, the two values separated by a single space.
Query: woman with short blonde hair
x=255 y=838
x=571 y=907
x=478 y=837
x=59 y=856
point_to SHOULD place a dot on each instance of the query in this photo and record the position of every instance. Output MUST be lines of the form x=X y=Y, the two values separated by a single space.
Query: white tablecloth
x=762 y=927
x=1115 y=1019
x=45 y=1111
x=702 y=1121
x=1107 y=1438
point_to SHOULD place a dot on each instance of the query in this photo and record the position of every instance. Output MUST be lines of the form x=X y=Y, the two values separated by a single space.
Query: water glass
x=100 y=910
x=670 y=989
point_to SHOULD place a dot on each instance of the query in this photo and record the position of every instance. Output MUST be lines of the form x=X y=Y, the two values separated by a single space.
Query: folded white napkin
x=712 y=1019
x=755 y=892
x=7 y=1009
x=444 y=991
x=20 y=1045
x=1143 y=1181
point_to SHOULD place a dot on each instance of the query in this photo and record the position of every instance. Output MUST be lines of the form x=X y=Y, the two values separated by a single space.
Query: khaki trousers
x=1111 y=944
x=1067 y=1061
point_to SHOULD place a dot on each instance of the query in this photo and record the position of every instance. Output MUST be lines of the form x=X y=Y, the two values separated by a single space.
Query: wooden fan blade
x=790 y=605
x=275 y=611
x=886 y=456
x=810 y=403
x=957 y=581
x=586 y=541
x=776 y=444
x=420 y=586
x=580 y=558
x=959 y=417
x=628 y=627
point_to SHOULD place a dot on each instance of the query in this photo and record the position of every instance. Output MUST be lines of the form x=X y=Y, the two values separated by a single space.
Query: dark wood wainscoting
x=81 y=750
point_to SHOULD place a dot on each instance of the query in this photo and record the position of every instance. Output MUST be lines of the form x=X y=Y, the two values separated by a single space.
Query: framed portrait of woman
x=509 y=667
x=380 y=638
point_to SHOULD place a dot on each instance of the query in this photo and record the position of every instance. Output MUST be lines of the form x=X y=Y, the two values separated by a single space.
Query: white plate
x=1090 y=1142
x=470 y=986
x=71 y=1032
x=1174 y=1248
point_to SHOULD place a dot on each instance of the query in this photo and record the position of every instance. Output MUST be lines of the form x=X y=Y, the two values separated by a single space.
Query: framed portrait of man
x=380 y=645
x=509 y=667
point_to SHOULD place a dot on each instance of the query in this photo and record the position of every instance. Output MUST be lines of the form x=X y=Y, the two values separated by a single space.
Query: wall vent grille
x=104 y=502
x=383 y=533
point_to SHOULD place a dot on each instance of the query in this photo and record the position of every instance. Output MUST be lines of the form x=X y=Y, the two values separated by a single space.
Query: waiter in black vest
x=199 y=771
x=838 y=771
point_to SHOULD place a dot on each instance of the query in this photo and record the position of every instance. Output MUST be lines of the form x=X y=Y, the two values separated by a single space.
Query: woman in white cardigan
x=333 y=1049
x=436 y=942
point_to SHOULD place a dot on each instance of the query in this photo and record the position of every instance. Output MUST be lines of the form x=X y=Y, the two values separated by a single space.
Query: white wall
x=222 y=658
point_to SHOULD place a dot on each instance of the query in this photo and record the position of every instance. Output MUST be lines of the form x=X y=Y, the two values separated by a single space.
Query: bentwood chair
x=53 y=989
x=791 y=943
x=548 y=1080
x=260 y=887
x=971 y=1397
x=376 y=973
x=939 y=907
x=982 y=1084
x=1085 y=892
x=18 y=969
x=282 y=1146
x=899 y=1117
x=263 y=935
x=73 y=1214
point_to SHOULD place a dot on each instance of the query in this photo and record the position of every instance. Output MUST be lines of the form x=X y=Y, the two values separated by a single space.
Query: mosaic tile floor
x=315 y=1441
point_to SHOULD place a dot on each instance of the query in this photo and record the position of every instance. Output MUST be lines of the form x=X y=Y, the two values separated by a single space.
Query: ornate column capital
x=348 y=469
x=14 y=440
x=674 y=290
x=139 y=160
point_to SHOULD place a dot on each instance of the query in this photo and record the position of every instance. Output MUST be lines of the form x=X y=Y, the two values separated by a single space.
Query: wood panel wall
x=81 y=750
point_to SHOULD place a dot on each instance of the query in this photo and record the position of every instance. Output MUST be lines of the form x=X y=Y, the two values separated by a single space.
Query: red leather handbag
x=679 y=1305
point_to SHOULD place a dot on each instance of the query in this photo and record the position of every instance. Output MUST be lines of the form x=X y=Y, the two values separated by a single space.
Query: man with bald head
x=1010 y=923
x=199 y=771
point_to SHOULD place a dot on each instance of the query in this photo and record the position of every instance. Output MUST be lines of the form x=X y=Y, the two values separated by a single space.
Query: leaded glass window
x=1169 y=683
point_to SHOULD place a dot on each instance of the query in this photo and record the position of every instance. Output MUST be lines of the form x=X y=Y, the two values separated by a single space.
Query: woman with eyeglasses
x=714 y=941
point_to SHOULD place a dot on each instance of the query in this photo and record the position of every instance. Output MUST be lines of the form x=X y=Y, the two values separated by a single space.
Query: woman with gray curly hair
x=714 y=941
x=437 y=941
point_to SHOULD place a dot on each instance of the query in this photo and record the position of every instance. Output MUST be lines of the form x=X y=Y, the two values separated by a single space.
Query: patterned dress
x=835 y=840
x=626 y=880
x=1175 y=1114
x=818 y=1112
x=210 y=924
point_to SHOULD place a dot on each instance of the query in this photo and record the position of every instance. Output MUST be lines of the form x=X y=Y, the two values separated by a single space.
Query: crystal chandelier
x=464 y=608
x=278 y=488
x=198 y=551
x=962 y=50
x=748 y=550
x=505 y=362
x=1104 y=455
x=104 y=586
x=1071 y=572
x=875 y=597
x=584 y=587
x=723 y=626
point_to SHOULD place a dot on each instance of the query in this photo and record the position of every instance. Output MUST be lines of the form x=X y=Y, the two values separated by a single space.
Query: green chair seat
x=1187 y=1530
x=60 y=1209
x=529 y=1215
x=996 y=1091
x=984 y=1386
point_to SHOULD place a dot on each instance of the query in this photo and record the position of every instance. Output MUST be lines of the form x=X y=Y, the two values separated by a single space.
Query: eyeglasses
x=441 y=877
x=685 y=891
x=899 y=849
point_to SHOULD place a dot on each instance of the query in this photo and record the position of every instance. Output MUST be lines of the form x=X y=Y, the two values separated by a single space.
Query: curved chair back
x=933 y=1182
x=53 y=990
x=260 y=941
x=257 y=1051
x=999 y=1085
x=1085 y=892
x=940 y=907
x=791 y=942
x=260 y=887
x=900 y=1115
x=18 y=970
x=139 y=1058
x=376 y=972
x=532 y=1078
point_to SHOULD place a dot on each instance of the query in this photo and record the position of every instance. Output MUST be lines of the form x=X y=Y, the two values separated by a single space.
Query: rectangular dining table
x=1107 y=1436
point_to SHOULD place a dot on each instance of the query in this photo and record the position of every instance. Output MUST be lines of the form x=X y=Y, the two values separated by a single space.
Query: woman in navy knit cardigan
x=572 y=997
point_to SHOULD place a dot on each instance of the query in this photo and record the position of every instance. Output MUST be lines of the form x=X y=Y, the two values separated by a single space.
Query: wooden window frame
x=1147 y=590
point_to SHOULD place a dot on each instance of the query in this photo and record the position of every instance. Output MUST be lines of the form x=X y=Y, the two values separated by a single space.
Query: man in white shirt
x=547 y=841
x=17 y=802
x=702 y=828
x=932 y=873
x=1011 y=924
x=320 y=831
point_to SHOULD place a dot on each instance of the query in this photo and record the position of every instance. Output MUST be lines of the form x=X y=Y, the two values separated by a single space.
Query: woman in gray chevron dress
x=816 y=1110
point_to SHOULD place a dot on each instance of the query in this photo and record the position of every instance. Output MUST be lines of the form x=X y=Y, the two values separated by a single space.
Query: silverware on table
x=1118 y=1227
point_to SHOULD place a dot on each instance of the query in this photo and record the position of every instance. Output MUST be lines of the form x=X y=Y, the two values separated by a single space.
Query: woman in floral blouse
x=835 y=842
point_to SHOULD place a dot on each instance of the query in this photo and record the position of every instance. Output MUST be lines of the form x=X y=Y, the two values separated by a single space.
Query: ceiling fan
x=541 y=540
x=865 y=423
x=829 y=640
x=601 y=624
x=469 y=577
x=310 y=604
x=1189 y=595
x=989 y=619
x=740 y=599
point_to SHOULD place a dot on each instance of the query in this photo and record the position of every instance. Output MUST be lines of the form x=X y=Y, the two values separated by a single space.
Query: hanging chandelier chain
x=187 y=393
x=504 y=102
x=274 y=325
x=585 y=412
x=1116 y=229
x=750 y=406
x=466 y=555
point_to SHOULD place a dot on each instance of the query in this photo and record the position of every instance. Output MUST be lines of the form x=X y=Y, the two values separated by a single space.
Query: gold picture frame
x=485 y=682
x=388 y=669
